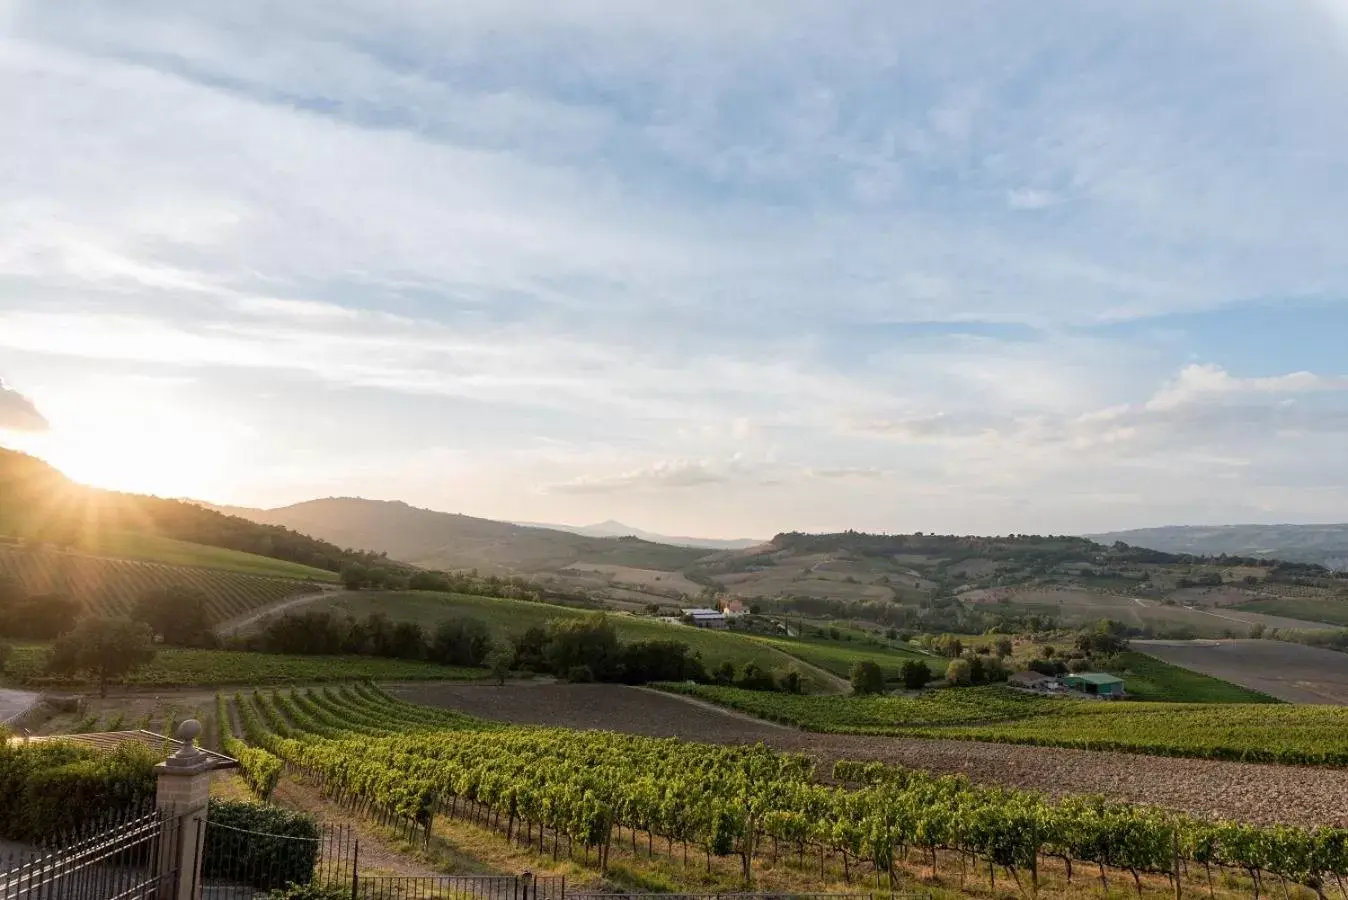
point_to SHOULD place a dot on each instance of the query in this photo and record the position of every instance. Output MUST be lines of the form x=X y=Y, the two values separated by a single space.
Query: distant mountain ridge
x=440 y=540
x=1326 y=544
x=612 y=528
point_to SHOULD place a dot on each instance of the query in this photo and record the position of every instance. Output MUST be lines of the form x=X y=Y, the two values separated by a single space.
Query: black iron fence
x=459 y=887
x=133 y=855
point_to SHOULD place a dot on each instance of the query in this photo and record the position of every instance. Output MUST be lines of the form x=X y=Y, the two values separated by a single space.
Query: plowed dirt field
x=1255 y=793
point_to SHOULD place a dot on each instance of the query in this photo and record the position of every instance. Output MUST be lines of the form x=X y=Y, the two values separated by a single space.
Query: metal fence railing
x=132 y=856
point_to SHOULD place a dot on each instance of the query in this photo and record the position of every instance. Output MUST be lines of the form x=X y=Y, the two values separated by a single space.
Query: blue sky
x=723 y=269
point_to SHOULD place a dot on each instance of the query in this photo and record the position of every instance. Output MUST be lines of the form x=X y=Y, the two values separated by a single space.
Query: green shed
x=1095 y=683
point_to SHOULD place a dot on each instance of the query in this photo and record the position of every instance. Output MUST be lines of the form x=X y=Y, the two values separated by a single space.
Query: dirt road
x=15 y=703
x=234 y=626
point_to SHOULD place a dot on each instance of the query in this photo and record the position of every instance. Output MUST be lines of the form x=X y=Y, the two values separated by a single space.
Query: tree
x=756 y=678
x=498 y=661
x=959 y=672
x=354 y=576
x=461 y=642
x=867 y=678
x=591 y=643
x=106 y=648
x=1078 y=665
x=1004 y=647
x=1257 y=631
x=915 y=674
x=725 y=673
x=531 y=649
x=176 y=613
x=39 y=618
x=4 y=656
x=791 y=682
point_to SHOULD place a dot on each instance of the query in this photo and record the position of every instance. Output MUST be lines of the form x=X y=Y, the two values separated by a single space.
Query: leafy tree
x=428 y=581
x=530 y=647
x=177 y=613
x=39 y=618
x=406 y=640
x=4 y=656
x=791 y=682
x=867 y=678
x=756 y=678
x=915 y=673
x=498 y=661
x=725 y=673
x=106 y=648
x=1257 y=631
x=591 y=642
x=959 y=672
x=1078 y=665
x=461 y=642
x=1004 y=647
x=647 y=661
x=354 y=576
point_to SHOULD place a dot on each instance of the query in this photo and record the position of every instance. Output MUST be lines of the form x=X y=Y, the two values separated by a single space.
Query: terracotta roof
x=110 y=740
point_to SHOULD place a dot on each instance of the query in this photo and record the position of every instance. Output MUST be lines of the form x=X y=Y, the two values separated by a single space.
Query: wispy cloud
x=871 y=249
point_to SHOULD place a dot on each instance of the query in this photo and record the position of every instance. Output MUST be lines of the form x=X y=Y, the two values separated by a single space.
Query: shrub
x=791 y=683
x=265 y=846
x=55 y=788
x=959 y=672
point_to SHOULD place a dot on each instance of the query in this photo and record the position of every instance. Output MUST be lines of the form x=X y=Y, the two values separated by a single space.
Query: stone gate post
x=182 y=792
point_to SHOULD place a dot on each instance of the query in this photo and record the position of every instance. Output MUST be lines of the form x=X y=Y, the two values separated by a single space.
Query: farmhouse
x=705 y=618
x=1097 y=683
x=1035 y=681
x=733 y=609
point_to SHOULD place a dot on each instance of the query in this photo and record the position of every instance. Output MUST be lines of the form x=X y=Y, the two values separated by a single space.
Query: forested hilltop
x=40 y=504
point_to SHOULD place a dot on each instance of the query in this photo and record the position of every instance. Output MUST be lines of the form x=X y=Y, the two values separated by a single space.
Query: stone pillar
x=182 y=792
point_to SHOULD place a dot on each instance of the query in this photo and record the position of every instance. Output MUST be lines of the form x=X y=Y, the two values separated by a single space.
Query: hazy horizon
x=955 y=267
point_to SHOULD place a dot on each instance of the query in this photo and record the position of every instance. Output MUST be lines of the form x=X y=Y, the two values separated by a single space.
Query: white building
x=705 y=618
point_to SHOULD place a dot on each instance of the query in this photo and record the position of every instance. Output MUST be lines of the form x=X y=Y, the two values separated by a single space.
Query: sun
x=128 y=444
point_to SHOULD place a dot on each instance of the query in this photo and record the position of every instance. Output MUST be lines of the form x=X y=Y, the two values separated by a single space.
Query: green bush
x=55 y=788
x=265 y=846
x=310 y=891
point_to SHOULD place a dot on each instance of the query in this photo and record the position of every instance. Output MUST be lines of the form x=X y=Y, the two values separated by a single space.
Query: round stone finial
x=188 y=731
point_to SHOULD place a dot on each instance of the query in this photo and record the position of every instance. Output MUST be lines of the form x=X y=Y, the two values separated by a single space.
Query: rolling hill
x=611 y=528
x=39 y=505
x=1325 y=545
x=440 y=540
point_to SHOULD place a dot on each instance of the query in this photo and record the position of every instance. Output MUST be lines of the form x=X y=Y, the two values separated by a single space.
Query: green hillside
x=154 y=548
x=38 y=504
x=507 y=617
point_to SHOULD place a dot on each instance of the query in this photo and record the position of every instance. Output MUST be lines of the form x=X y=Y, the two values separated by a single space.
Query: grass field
x=1333 y=611
x=188 y=668
x=839 y=658
x=507 y=617
x=153 y=548
x=1148 y=678
x=1315 y=735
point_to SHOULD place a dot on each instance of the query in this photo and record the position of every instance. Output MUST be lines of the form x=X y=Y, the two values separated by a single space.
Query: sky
x=716 y=269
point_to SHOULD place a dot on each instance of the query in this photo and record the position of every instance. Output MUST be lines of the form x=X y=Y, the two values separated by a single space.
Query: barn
x=1097 y=683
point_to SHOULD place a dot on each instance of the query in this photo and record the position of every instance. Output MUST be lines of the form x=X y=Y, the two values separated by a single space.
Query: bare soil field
x=1256 y=793
x=1078 y=606
x=1292 y=672
x=640 y=578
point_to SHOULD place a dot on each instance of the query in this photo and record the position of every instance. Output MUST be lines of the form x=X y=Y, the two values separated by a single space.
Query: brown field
x=1256 y=793
x=1079 y=606
x=1292 y=672
x=639 y=578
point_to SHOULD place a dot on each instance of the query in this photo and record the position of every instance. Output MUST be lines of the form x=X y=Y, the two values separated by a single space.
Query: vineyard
x=1247 y=732
x=580 y=793
x=112 y=586
x=187 y=668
